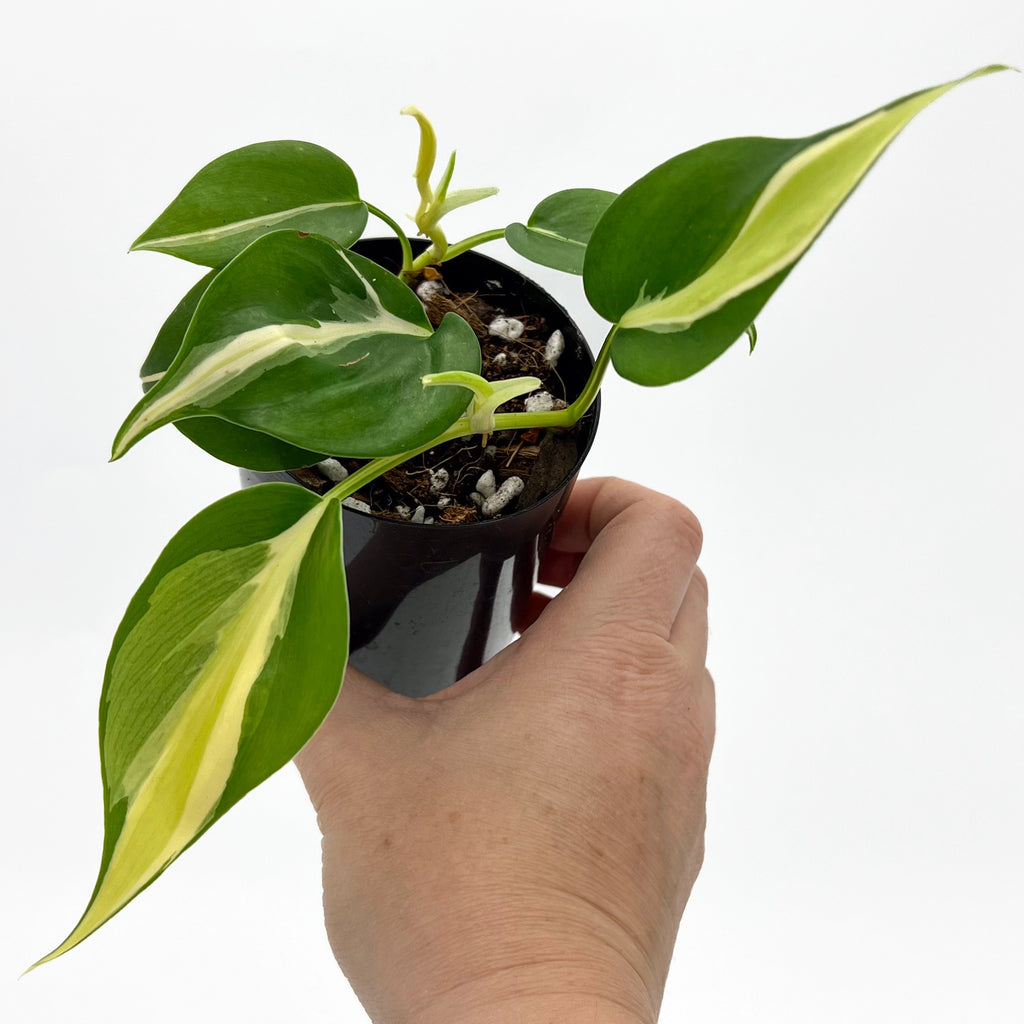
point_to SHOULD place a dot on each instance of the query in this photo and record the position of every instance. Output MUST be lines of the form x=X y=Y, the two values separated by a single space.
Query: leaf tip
x=52 y=955
x=122 y=442
x=141 y=243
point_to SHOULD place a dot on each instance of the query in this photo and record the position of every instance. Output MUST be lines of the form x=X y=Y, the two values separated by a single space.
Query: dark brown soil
x=541 y=458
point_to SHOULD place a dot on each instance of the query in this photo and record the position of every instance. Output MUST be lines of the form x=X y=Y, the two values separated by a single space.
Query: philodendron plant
x=293 y=348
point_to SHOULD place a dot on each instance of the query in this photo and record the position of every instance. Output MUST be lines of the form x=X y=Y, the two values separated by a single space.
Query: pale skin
x=519 y=848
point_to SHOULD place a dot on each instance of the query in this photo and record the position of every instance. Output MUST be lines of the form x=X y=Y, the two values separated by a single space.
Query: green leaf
x=559 y=229
x=684 y=260
x=227 y=660
x=251 y=191
x=236 y=445
x=313 y=345
x=751 y=333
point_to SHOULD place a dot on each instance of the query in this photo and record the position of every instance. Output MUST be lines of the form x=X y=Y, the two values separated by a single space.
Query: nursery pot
x=429 y=603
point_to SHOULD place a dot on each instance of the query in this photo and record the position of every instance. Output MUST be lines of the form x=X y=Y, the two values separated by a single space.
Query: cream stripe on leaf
x=313 y=345
x=686 y=258
x=251 y=191
x=227 y=660
x=557 y=233
x=227 y=441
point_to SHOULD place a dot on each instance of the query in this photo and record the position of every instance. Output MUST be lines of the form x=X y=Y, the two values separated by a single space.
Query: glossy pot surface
x=430 y=603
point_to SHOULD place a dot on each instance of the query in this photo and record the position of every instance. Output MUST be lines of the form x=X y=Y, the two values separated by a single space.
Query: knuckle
x=679 y=526
x=641 y=655
x=629 y=659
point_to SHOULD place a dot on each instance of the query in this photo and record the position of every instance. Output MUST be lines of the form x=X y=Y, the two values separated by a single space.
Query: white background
x=859 y=477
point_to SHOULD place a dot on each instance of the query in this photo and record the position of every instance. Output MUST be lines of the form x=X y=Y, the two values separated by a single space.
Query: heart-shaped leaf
x=557 y=233
x=227 y=660
x=316 y=346
x=250 y=191
x=684 y=260
x=236 y=445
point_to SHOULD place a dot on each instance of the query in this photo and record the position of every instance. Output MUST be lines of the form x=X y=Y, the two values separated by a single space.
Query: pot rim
x=591 y=417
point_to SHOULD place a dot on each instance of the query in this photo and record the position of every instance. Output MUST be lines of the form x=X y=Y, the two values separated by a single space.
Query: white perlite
x=444 y=501
x=510 y=489
x=543 y=401
x=418 y=515
x=333 y=470
x=505 y=327
x=554 y=348
x=404 y=511
x=426 y=290
x=438 y=480
x=486 y=485
x=355 y=503
x=500 y=359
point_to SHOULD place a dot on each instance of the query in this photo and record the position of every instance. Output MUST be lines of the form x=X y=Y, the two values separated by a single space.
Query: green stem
x=407 y=261
x=593 y=385
x=430 y=255
x=563 y=417
x=502 y=421
x=378 y=467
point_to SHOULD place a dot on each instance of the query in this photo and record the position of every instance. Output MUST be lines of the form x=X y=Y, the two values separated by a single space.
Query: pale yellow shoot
x=487 y=395
x=435 y=203
x=424 y=160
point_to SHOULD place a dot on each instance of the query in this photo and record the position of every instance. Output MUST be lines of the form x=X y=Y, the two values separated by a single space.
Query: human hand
x=520 y=847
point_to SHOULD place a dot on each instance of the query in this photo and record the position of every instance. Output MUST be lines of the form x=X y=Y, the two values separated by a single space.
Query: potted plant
x=295 y=350
x=428 y=603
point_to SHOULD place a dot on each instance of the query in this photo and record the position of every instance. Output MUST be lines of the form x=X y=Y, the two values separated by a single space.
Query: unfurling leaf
x=313 y=345
x=687 y=256
x=557 y=233
x=227 y=660
x=487 y=395
x=436 y=202
x=251 y=191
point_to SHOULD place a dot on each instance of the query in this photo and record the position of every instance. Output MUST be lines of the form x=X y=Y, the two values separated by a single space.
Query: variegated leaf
x=317 y=346
x=251 y=191
x=227 y=660
x=557 y=233
x=229 y=442
x=684 y=260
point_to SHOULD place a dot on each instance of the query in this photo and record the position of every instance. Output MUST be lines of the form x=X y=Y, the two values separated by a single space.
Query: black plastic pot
x=430 y=603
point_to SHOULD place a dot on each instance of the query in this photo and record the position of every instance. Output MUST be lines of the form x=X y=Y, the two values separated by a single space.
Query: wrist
x=566 y=989
x=565 y=1008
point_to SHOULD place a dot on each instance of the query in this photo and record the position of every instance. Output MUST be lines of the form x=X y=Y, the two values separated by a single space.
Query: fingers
x=629 y=552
